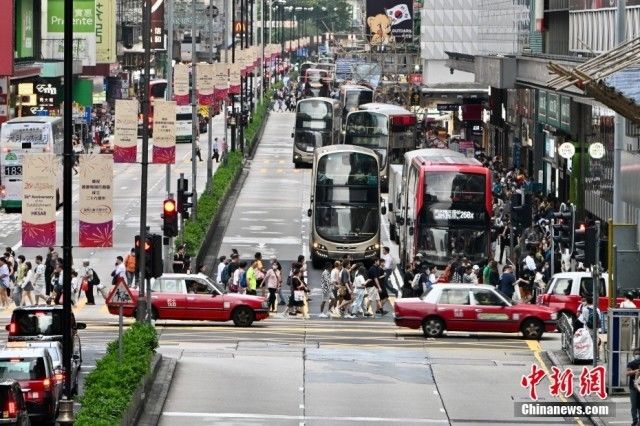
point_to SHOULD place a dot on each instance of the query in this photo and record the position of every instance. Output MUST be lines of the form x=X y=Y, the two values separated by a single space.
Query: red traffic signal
x=169 y=207
x=147 y=246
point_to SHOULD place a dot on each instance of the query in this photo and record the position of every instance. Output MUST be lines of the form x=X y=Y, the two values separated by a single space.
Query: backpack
x=95 y=280
x=225 y=275
x=243 y=280
x=593 y=318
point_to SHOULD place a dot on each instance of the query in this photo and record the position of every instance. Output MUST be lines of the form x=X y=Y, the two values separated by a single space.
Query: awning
x=22 y=71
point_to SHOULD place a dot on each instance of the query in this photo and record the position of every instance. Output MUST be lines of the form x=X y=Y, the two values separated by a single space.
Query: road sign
x=596 y=150
x=566 y=150
x=120 y=295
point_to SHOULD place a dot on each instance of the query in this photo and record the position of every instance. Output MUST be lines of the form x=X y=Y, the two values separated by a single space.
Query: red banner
x=6 y=39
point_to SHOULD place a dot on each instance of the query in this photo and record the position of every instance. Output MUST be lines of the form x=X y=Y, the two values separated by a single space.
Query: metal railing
x=53 y=48
x=565 y=326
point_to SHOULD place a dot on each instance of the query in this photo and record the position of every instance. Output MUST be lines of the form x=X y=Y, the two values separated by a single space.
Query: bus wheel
x=316 y=262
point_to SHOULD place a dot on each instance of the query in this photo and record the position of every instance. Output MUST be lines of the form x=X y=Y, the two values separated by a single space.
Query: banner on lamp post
x=181 y=84
x=221 y=81
x=96 y=200
x=204 y=83
x=164 y=132
x=234 y=78
x=39 y=177
x=125 y=134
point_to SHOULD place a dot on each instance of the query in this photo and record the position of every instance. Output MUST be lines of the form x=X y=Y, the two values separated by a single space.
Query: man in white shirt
x=120 y=271
x=388 y=266
x=221 y=267
x=39 y=283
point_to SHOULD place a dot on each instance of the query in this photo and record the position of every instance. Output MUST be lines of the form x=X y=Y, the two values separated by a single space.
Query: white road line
x=391 y=420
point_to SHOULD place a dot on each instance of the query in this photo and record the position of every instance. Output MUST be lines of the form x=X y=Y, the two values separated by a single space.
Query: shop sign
x=157 y=24
x=596 y=150
x=566 y=150
x=24 y=29
x=84 y=30
x=105 y=31
x=565 y=112
x=47 y=93
x=542 y=104
x=553 y=108
x=84 y=19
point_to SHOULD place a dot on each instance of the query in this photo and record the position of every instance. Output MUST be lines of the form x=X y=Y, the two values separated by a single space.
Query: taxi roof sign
x=120 y=295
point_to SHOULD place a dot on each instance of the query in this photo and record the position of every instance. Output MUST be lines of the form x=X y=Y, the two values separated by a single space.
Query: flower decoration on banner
x=96 y=234
x=38 y=235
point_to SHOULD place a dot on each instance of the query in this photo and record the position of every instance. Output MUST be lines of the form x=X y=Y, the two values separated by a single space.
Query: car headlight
x=554 y=316
x=265 y=302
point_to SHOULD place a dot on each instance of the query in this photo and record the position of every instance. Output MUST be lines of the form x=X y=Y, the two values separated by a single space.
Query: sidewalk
x=621 y=401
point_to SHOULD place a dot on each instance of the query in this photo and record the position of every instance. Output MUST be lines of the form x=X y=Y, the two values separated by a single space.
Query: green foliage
x=110 y=387
x=209 y=201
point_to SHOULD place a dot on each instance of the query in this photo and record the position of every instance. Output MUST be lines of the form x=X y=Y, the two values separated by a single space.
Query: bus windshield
x=369 y=130
x=314 y=124
x=453 y=216
x=346 y=197
x=354 y=98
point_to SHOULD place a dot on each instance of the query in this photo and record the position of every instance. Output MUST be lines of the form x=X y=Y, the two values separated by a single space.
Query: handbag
x=84 y=286
x=298 y=295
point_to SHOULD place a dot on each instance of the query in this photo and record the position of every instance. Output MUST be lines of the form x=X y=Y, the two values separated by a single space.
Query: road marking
x=535 y=347
x=79 y=306
x=289 y=417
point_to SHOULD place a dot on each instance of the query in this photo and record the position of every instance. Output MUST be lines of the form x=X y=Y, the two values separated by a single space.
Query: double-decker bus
x=345 y=204
x=26 y=135
x=352 y=96
x=317 y=82
x=445 y=209
x=317 y=124
x=390 y=130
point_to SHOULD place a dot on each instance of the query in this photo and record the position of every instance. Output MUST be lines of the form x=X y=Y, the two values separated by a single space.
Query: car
x=43 y=323
x=472 y=307
x=13 y=408
x=41 y=384
x=55 y=350
x=196 y=297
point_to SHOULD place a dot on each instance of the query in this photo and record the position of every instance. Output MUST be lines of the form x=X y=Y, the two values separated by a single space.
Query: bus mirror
x=411 y=230
x=291 y=134
x=400 y=221
x=383 y=210
x=390 y=207
x=309 y=212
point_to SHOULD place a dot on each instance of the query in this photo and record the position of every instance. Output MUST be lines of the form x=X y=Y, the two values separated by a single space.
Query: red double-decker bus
x=445 y=208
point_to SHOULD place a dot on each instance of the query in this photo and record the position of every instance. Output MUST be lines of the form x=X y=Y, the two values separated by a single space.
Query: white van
x=184 y=123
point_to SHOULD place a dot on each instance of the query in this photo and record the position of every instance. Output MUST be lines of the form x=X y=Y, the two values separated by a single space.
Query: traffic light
x=152 y=255
x=564 y=227
x=590 y=243
x=169 y=218
x=184 y=203
x=579 y=244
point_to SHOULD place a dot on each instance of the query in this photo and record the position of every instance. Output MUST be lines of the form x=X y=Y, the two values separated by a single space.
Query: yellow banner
x=125 y=139
x=105 y=31
x=164 y=132
x=39 y=181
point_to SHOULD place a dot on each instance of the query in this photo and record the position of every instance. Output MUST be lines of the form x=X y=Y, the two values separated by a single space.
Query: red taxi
x=196 y=297
x=472 y=307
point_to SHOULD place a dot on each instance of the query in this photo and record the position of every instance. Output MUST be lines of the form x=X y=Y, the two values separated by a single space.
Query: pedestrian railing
x=565 y=326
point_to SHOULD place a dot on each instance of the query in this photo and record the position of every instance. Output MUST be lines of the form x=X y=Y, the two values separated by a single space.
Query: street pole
x=142 y=304
x=67 y=218
x=210 y=124
x=194 y=113
x=263 y=32
x=226 y=62
x=596 y=294
x=168 y=252
x=619 y=126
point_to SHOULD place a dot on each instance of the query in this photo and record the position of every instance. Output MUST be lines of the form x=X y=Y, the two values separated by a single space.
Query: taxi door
x=491 y=312
x=201 y=303
x=168 y=297
x=455 y=308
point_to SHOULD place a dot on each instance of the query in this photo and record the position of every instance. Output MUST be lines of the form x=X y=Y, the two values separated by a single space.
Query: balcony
x=53 y=49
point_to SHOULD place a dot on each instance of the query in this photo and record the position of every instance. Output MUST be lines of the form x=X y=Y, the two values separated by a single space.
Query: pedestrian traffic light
x=564 y=227
x=152 y=254
x=590 y=244
x=169 y=218
x=184 y=203
x=579 y=243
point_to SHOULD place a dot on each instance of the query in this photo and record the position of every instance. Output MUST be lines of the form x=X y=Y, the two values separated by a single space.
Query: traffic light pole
x=552 y=266
x=195 y=138
x=595 y=278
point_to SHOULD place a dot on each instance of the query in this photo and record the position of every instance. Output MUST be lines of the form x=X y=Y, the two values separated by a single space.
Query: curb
x=553 y=360
x=134 y=411
x=152 y=410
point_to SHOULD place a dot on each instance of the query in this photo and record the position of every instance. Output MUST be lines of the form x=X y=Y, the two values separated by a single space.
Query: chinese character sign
x=181 y=84
x=96 y=200
x=40 y=177
x=164 y=132
x=204 y=83
x=125 y=144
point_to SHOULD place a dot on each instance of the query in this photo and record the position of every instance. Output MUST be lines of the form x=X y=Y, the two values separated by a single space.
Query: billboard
x=6 y=42
x=390 y=21
x=84 y=30
x=105 y=31
x=24 y=28
x=598 y=4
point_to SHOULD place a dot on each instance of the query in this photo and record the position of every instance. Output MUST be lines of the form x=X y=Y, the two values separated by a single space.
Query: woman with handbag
x=298 y=297
x=633 y=372
x=27 y=284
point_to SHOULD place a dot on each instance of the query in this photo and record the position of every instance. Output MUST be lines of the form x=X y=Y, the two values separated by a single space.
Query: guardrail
x=565 y=326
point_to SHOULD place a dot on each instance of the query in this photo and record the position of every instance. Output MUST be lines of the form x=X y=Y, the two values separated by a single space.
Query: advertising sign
x=157 y=24
x=105 y=31
x=221 y=80
x=24 y=28
x=39 y=177
x=204 y=83
x=96 y=200
x=6 y=41
x=125 y=135
x=389 y=21
x=234 y=78
x=47 y=92
x=84 y=30
x=164 y=132
x=181 y=84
